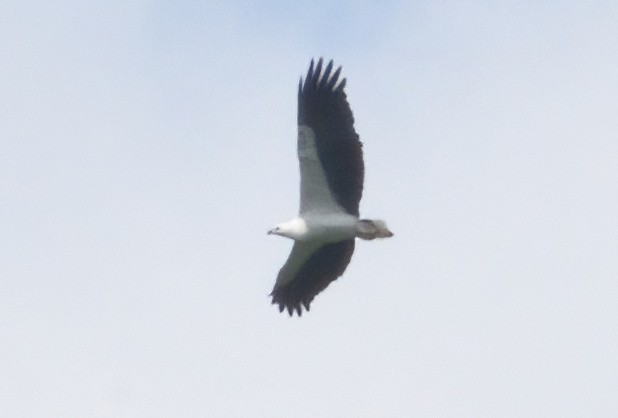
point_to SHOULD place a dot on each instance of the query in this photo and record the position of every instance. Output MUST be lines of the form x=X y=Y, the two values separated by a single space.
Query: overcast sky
x=146 y=148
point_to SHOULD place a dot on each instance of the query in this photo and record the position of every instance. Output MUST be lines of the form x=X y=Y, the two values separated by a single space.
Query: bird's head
x=293 y=229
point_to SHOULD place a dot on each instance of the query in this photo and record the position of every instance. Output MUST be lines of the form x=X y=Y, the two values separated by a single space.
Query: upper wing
x=315 y=193
x=323 y=108
x=310 y=268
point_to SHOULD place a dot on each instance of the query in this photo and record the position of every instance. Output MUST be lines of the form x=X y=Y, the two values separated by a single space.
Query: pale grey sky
x=147 y=147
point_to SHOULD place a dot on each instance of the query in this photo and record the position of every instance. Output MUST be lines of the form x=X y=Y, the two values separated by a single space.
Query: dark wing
x=307 y=272
x=323 y=107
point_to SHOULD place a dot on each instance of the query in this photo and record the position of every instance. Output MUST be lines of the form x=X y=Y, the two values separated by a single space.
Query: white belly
x=330 y=227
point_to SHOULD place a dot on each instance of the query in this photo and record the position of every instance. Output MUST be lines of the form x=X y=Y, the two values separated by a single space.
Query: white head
x=294 y=229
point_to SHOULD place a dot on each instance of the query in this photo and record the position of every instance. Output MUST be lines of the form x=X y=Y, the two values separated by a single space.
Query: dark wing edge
x=323 y=267
x=323 y=107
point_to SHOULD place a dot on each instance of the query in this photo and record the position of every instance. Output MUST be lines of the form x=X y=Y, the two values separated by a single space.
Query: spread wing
x=329 y=150
x=310 y=268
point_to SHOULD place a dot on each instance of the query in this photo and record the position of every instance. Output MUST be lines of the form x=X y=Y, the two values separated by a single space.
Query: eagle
x=332 y=171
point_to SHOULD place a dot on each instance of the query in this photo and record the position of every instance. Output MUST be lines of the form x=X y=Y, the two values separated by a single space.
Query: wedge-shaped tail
x=371 y=229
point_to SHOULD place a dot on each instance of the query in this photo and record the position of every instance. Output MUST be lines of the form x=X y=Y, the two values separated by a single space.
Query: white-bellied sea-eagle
x=331 y=186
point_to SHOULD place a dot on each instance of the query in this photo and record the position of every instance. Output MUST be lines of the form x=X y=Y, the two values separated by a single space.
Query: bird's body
x=331 y=185
x=326 y=227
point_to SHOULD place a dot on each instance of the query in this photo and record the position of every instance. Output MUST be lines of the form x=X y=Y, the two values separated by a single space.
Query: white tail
x=372 y=229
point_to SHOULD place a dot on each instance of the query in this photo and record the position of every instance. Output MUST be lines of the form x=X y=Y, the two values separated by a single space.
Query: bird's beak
x=270 y=232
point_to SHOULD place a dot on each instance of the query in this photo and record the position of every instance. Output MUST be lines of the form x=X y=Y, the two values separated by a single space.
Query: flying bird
x=331 y=186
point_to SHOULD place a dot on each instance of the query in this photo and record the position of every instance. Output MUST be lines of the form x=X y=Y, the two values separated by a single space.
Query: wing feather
x=323 y=107
x=308 y=271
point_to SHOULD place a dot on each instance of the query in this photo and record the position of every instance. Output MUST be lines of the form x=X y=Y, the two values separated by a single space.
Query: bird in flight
x=331 y=186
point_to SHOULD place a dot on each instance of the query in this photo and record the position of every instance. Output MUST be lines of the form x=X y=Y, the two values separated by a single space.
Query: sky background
x=146 y=147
